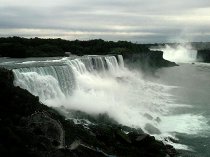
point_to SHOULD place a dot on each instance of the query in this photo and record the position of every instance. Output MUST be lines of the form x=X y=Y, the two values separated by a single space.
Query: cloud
x=133 y=20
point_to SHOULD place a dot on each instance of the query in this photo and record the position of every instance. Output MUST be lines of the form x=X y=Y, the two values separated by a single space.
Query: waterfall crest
x=58 y=81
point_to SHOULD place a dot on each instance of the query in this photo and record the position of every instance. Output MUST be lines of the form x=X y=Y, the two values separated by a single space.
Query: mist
x=181 y=53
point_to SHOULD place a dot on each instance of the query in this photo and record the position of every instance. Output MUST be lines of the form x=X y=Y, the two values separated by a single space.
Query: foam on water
x=185 y=123
x=96 y=84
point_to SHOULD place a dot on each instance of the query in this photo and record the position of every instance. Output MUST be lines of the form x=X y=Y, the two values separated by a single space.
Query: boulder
x=81 y=150
x=62 y=152
x=42 y=125
x=142 y=137
x=171 y=150
x=122 y=137
x=152 y=129
x=158 y=119
x=148 y=116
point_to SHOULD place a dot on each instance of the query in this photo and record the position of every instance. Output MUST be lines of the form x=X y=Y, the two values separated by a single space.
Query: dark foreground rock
x=29 y=128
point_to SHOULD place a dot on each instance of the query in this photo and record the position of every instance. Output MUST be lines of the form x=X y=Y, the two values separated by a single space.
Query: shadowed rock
x=152 y=129
x=148 y=116
x=122 y=136
x=158 y=119
x=42 y=124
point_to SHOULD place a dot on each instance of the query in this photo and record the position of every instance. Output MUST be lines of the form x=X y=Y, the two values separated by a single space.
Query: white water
x=96 y=85
x=180 y=53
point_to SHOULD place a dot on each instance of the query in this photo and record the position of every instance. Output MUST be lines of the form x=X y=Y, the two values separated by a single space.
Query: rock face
x=43 y=125
x=148 y=60
x=204 y=55
x=29 y=128
x=152 y=129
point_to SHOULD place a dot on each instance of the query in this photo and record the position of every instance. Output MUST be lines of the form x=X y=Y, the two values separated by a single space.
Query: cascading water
x=179 y=53
x=101 y=84
x=57 y=82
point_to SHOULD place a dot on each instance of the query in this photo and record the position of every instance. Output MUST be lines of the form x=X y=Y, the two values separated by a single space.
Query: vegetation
x=138 y=54
x=18 y=47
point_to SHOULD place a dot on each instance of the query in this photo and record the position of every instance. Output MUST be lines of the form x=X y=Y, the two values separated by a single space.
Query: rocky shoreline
x=29 y=128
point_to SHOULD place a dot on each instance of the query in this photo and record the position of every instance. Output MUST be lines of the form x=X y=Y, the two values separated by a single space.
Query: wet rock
x=82 y=150
x=133 y=135
x=152 y=129
x=158 y=119
x=148 y=116
x=121 y=136
x=142 y=137
x=63 y=152
x=171 y=150
x=75 y=145
x=104 y=133
x=171 y=139
x=41 y=124
x=144 y=140
x=129 y=129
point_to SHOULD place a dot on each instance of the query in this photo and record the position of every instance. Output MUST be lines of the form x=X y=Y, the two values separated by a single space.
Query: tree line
x=18 y=47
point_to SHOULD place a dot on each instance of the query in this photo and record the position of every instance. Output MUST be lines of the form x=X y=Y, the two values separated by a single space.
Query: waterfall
x=121 y=62
x=180 y=53
x=93 y=84
x=59 y=81
x=101 y=84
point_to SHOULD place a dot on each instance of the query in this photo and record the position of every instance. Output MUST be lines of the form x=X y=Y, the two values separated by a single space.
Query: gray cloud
x=133 y=20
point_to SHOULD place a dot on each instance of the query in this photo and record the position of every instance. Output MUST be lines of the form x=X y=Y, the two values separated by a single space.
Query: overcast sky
x=143 y=21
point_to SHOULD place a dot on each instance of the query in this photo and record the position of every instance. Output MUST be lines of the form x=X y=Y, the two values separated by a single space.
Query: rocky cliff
x=148 y=60
x=204 y=55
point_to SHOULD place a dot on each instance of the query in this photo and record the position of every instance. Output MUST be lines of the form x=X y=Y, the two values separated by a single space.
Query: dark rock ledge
x=29 y=128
